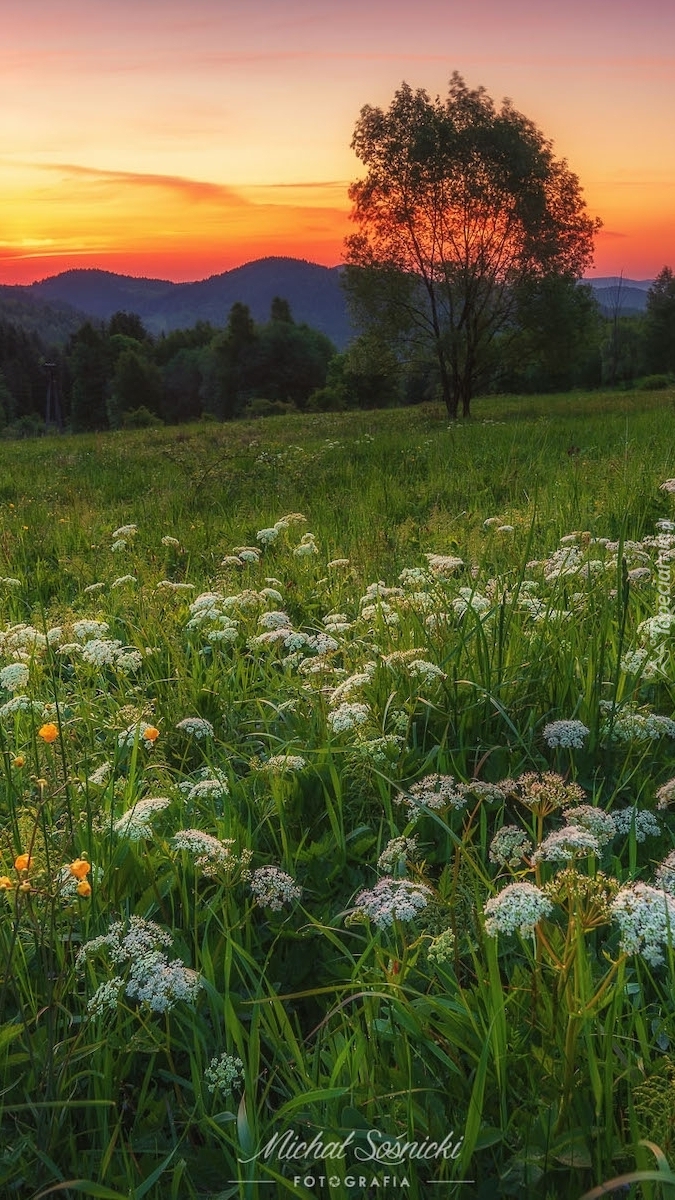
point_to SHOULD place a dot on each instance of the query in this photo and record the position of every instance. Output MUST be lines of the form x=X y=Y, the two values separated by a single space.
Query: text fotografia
x=290 y=1147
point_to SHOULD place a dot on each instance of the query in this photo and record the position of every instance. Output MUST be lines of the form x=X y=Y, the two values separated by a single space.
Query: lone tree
x=461 y=206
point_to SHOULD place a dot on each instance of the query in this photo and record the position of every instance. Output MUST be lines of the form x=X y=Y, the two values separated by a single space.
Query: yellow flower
x=48 y=732
x=25 y=886
x=79 y=868
x=84 y=888
x=22 y=862
x=19 y=761
x=150 y=734
x=5 y=883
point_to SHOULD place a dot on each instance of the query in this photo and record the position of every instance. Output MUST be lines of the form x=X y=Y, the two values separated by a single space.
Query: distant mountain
x=313 y=292
x=57 y=306
x=53 y=321
x=627 y=296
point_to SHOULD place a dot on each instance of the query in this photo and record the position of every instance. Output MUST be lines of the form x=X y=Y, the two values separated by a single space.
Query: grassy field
x=300 y=893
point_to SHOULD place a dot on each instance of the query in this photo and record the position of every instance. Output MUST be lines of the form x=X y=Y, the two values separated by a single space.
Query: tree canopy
x=462 y=205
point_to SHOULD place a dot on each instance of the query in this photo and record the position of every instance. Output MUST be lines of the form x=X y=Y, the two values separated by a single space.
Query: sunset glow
x=179 y=141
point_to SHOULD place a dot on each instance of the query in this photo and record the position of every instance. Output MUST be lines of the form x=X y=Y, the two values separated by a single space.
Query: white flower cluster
x=469 y=600
x=169 y=585
x=354 y=683
x=641 y=820
x=630 y=725
x=21 y=704
x=307 y=546
x=208 y=612
x=151 y=978
x=566 y=734
x=646 y=919
x=347 y=717
x=442 y=948
x=392 y=900
x=665 y=873
x=86 y=628
x=665 y=794
x=442 y=565
x=273 y=888
x=133 y=733
x=435 y=792
x=196 y=726
x=275 y=619
x=23 y=638
x=135 y=823
x=211 y=784
x=566 y=844
x=396 y=853
x=14 y=677
x=600 y=823
x=103 y=652
x=280 y=764
x=224 y=1073
x=210 y=854
x=101 y=775
x=509 y=846
x=517 y=909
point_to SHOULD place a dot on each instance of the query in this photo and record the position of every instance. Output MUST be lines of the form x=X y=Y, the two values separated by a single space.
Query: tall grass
x=542 y=1059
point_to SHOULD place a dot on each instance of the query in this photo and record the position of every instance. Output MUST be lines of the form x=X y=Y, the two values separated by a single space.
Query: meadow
x=337 y=853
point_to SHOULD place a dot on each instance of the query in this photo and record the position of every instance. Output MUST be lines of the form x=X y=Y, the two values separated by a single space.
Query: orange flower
x=79 y=868
x=84 y=888
x=5 y=883
x=19 y=761
x=22 y=862
x=48 y=732
x=150 y=734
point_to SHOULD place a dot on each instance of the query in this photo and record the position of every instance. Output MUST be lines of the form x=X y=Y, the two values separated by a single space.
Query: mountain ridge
x=60 y=303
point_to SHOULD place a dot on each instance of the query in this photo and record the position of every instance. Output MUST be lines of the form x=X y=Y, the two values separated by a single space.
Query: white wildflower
x=136 y=733
x=167 y=540
x=442 y=948
x=275 y=620
x=224 y=1073
x=642 y=821
x=443 y=564
x=566 y=844
x=123 y=580
x=209 y=853
x=86 y=629
x=94 y=587
x=273 y=888
x=135 y=823
x=434 y=792
x=347 y=717
x=665 y=794
x=396 y=853
x=509 y=846
x=600 y=823
x=101 y=775
x=14 y=677
x=517 y=909
x=665 y=873
x=280 y=764
x=168 y=585
x=668 y=486
x=646 y=919
x=125 y=531
x=392 y=900
x=567 y=734
x=196 y=726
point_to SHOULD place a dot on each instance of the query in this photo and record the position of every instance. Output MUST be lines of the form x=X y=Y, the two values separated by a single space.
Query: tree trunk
x=449 y=394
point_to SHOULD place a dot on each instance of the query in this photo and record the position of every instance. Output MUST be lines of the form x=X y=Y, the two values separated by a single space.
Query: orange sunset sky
x=178 y=140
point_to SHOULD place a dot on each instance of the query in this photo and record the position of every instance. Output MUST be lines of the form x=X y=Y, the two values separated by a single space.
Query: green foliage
x=660 y=323
x=549 y=1062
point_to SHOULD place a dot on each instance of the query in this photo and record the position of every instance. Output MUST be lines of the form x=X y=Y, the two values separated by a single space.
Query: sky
x=176 y=140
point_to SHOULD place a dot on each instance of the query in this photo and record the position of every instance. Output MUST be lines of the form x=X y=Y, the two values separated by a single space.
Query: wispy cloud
x=197 y=190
